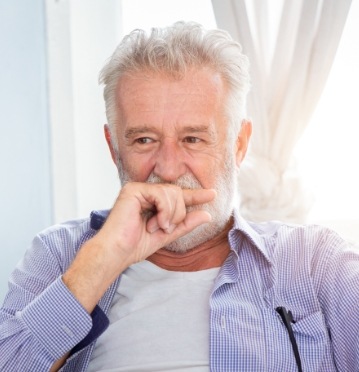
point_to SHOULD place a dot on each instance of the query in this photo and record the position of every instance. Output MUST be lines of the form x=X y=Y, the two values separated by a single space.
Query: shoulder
x=69 y=232
x=307 y=248
x=60 y=243
x=297 y=237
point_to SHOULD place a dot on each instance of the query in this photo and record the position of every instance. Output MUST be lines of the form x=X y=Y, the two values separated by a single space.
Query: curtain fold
x=288 y=74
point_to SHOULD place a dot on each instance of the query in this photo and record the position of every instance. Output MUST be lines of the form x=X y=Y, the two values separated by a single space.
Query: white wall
x=81 y=35
x=25 y=184
x=54 y=162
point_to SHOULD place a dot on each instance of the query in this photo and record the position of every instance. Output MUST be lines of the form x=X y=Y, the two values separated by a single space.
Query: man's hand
x=145 y=218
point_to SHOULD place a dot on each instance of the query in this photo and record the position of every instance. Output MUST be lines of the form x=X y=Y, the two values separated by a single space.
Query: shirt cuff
x=100 y=323
x=56 y=319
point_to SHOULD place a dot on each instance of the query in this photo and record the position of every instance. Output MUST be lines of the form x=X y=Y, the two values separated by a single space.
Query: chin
x=197 y=237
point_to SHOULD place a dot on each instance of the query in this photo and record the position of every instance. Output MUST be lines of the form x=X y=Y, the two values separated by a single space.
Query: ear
x=107 y=132
x=243 y=141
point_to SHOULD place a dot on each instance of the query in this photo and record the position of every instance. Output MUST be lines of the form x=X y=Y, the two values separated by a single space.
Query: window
x=328 y=152
x=164 y=13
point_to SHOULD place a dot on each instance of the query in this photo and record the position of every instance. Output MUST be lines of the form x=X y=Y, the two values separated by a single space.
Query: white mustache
x=187 y=181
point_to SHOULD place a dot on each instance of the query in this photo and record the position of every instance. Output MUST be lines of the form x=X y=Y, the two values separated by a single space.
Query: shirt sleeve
x=40 y=320
x=339 y=296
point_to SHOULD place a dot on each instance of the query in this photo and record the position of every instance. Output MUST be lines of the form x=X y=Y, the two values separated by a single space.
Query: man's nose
x=170 y=164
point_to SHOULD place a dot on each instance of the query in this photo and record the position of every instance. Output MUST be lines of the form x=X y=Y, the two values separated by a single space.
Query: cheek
x=206 y=169
x=213 y=168
x=137 y=167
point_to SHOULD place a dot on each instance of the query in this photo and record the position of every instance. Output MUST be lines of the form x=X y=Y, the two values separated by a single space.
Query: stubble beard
x=221 y=209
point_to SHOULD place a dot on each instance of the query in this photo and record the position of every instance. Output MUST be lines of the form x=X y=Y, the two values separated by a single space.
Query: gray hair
x=173 y=50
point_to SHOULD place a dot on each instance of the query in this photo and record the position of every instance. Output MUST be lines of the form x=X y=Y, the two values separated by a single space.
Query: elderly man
x=172 y=278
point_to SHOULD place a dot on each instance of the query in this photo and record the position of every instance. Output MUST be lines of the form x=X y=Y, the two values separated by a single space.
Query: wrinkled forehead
x=151 y=90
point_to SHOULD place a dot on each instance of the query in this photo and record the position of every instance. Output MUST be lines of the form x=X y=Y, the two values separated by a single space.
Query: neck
x=205 y=256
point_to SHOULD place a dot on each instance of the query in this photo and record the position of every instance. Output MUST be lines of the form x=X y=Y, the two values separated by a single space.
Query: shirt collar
x=240 y=226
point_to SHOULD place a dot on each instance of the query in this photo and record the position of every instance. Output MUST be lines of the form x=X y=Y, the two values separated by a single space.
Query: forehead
x=198 y=90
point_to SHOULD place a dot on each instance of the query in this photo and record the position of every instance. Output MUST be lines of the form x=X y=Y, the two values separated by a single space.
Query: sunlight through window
x=328 y=151
x=159 y=13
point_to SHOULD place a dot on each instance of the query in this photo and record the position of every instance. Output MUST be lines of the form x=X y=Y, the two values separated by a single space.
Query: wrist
x=94 y=269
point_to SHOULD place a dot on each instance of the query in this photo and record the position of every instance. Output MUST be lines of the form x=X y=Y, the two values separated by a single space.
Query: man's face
x=175 y=131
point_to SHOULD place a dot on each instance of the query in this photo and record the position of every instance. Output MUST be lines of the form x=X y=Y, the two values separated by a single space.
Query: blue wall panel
x=25 y=177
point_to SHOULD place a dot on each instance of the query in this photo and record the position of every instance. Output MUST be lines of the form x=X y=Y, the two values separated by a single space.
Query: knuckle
x=171 y=191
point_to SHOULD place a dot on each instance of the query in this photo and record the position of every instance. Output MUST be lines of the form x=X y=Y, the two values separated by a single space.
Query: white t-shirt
x=159 y=321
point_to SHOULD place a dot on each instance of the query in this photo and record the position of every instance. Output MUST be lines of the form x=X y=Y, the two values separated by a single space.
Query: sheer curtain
x=289 y=71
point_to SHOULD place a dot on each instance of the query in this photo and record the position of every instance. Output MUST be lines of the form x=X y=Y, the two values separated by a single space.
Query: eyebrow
x=208 y=129
x=132 y=132
x=197 y=129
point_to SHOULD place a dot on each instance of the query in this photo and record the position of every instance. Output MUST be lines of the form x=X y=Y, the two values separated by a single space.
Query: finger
x=198 y=196
x=193 y=219
x=152 y=225
x=171 y=210
x=167 y=220
x=170 y=206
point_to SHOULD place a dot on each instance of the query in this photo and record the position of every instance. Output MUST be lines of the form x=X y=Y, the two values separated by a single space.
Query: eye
x=144 y=140
x=191 y=139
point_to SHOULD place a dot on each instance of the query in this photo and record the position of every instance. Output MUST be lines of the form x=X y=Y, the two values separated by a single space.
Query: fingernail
x=170 y=229
x=152 y=229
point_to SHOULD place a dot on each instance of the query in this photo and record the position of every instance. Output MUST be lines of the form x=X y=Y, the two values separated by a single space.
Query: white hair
x=173 y=50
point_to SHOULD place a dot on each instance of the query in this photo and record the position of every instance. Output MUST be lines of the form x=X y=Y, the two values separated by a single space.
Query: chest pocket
x=312 y=339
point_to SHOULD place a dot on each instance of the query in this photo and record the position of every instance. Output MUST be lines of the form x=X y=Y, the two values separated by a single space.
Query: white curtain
x=289 y=70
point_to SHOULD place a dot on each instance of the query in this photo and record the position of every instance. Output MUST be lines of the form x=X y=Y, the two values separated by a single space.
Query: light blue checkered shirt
x=308 y=270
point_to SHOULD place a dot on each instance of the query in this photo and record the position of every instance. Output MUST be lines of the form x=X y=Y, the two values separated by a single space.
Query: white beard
x=220 y=209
